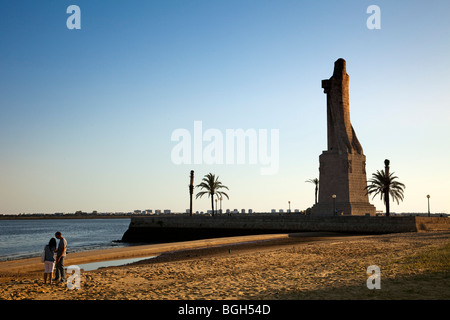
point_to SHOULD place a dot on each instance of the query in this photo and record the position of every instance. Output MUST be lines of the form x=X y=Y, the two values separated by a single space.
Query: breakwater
x=183 y=227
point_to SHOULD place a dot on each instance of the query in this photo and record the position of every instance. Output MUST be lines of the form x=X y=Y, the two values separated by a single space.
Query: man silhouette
x=60 y=255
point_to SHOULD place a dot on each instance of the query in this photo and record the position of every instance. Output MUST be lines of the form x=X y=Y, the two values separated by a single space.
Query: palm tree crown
x=385 y=186
x=211 y=185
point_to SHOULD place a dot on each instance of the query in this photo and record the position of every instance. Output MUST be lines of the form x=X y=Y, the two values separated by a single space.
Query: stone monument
x=343 y=166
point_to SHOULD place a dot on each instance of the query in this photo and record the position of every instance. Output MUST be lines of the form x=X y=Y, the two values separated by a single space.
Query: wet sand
x=296 y=266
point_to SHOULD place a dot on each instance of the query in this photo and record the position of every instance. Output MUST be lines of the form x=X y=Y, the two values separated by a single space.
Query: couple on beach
x=50 y=262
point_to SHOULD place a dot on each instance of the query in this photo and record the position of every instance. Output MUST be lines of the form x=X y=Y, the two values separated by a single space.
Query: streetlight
x=428 y=196
x=289 y=206
x=334 y=204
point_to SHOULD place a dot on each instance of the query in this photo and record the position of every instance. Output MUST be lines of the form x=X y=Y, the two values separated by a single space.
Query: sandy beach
x=295 y=266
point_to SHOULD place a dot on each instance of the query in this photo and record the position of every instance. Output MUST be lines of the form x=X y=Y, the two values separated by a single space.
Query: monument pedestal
x=343 y=175
x=344 y=208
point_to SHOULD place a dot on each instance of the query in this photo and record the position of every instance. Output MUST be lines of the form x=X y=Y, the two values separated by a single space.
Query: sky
x=87 y=115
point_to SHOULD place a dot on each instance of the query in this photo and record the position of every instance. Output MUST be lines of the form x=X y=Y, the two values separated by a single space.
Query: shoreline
x=51 y=217
x=95 y=247
x=144 y=250
x=282 y=267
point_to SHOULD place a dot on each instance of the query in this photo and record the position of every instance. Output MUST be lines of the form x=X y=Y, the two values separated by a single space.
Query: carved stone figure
x=341 y=135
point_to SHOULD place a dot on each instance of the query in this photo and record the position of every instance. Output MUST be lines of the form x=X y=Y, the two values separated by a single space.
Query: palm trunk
x=316 y=194
x=212 y=203
x=386 y=195
x=191 y=192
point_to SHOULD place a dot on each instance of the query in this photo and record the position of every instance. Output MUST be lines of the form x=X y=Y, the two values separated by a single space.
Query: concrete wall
x=432 y=224
x=182 y=228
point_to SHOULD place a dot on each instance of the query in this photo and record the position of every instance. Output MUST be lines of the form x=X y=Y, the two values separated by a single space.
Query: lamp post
x=428 y=196
x=216 y=205
x=334 y=204
x=289 y=203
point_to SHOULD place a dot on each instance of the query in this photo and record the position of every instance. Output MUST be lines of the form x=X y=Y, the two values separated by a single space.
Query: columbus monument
x=343 y=166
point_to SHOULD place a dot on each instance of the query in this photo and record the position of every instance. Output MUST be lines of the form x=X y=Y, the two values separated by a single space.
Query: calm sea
x=26 y=238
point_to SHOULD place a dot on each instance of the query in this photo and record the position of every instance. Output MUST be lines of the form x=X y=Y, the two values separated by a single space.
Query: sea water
x=24 y=238
x=111 y=263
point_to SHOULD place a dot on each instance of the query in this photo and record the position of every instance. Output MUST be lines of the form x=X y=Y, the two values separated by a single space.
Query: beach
x=282 y=266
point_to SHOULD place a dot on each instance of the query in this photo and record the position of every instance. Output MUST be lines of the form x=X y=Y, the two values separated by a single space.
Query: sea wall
x=184 y=227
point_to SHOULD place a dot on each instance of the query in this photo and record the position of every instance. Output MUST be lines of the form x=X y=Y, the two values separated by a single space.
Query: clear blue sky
x=86 y=116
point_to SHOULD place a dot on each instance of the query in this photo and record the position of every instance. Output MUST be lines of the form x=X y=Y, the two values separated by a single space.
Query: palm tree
x=211 y=185
x=316 y=182
x=385 y=184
